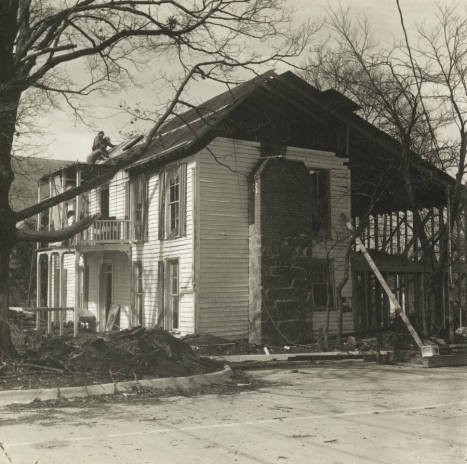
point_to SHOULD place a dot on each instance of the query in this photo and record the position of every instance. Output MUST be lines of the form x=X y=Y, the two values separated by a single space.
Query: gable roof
x=373 y=152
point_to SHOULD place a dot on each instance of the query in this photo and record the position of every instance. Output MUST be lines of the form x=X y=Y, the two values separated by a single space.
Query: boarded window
x=173 y=203
x=321 y=204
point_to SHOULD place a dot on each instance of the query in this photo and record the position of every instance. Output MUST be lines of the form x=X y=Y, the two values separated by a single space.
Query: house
x=231 y=223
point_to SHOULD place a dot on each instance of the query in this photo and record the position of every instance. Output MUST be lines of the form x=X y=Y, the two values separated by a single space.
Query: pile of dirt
x=93 y=358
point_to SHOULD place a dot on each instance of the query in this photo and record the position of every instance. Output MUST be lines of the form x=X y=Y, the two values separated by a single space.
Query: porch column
x=49 y=288
x=78 y=284
x=255 y=294
x=38 y=290
x=61 y=303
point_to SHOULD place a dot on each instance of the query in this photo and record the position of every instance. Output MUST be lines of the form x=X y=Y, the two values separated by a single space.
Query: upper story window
x=139 y=207
x=172 y=222
x=321 y=202
x=104 y=201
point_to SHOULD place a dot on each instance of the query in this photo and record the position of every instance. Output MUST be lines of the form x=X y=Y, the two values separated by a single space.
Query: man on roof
x=99 y=148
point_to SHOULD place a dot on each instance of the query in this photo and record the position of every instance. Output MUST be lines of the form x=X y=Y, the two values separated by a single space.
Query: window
x=321 y=209
x=172 y=295
x=322 y=284
x=138 y=292
x=83 y=283
x=169 y=294
x=104 y=194
x=139 y=207
x=173 y=202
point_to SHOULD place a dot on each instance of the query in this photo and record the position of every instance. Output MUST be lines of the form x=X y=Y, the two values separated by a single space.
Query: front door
x=106 y=286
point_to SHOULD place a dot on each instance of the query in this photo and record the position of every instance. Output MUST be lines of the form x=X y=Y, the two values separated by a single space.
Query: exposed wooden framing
x=365 y=300
x=386 y=288
x=378 y=308
x=406 y=232
x=413 y=240
x=376 y=233
x=398 y=234
x=383 y=241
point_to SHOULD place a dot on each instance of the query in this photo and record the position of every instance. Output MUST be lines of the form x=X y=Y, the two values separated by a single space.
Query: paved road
x=334 y=414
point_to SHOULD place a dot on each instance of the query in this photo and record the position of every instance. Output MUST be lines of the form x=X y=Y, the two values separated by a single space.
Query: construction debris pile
x=130 y=354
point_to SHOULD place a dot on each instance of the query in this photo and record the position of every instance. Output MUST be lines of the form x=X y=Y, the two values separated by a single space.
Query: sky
x=65 y=137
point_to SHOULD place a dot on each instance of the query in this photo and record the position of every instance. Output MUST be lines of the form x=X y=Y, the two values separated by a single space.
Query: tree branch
x=56 y=235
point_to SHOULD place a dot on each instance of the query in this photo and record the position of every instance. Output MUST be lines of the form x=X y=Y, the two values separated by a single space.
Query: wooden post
x=406 y=230
x=38 y=290
x=49 y=291
x=77 y=306
x=375 y=217
x=449 y=255
x=60 y=293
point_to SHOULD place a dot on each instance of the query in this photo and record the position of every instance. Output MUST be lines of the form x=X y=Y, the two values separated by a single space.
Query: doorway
x=107 y=292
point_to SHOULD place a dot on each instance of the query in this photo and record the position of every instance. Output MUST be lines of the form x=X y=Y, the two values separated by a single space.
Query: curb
x=168 y=383
x=312 y=356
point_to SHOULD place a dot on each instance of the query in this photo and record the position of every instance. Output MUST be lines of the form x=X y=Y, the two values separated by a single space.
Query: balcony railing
x=107 y=231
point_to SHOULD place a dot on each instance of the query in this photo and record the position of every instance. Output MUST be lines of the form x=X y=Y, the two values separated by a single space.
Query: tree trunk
x=9 y=101
x=6 y=346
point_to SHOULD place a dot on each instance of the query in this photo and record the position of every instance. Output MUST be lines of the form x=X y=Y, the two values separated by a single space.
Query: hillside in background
x=28 y=171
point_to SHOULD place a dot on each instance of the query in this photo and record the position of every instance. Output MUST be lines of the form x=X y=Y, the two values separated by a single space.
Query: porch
x=73 y=284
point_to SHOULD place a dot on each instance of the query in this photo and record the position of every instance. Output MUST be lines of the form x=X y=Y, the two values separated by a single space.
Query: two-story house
x=231 y=223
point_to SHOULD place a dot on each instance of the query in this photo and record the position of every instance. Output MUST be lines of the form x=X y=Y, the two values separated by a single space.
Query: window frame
x=139 y=190
x=318 y=205
x=138 y=291
x=172 y=295
x=326 y=267
x=172 y=211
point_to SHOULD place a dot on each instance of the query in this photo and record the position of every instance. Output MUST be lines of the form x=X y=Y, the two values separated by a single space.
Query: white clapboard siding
x=155 y=250
x=223 y=232
x=224 y=247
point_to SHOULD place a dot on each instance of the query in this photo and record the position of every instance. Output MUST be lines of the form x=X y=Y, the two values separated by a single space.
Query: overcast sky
x=68 y=139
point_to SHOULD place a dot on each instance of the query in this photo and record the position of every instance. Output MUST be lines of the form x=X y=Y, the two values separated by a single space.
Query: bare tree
x=414 y=93
x=43 y=42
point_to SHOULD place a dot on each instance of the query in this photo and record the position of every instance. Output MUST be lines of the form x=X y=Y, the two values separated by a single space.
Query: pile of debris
x=130 y=354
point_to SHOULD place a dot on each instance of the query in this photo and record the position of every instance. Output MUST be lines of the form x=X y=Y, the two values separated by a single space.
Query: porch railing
x=107 y=231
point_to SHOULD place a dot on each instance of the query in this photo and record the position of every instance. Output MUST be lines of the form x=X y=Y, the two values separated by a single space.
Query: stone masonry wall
x=286 y=252
x=287 y=299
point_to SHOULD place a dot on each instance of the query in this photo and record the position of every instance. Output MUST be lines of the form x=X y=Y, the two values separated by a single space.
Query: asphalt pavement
x=336 y=413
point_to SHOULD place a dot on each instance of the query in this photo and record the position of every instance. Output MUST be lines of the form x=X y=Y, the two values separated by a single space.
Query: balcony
x=107 y=231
